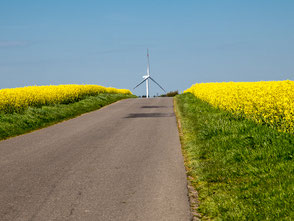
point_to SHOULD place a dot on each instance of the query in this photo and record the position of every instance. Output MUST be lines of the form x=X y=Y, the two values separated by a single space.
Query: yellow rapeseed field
x=18 y=99
x=270 y=102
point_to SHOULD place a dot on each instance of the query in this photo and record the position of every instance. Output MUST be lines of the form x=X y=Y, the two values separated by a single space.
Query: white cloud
x=7 y=27
x=8 y=44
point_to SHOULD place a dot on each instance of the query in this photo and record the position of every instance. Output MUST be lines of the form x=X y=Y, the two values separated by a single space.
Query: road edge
x=49 y=124
x=192 y=192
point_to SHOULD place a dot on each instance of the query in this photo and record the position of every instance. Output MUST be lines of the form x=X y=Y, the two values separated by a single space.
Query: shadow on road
x=146 y=115
x=154 y=107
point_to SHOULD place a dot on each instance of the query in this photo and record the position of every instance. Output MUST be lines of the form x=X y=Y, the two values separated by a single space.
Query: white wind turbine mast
x=147 y=77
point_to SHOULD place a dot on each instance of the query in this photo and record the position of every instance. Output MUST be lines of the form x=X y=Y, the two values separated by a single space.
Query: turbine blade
x=140 y=83
x=157 y=84
x=148 y=63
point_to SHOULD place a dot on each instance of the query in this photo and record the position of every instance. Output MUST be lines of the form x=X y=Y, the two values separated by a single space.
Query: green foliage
x=38 y=117
x=242 y=170
x=170 y=94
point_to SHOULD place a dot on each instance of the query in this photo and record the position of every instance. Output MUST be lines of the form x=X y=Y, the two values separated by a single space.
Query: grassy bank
x=37 y=117
x=242 y=170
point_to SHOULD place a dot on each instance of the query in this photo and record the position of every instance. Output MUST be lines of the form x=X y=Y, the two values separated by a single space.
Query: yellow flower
x=18 y=99
x=271 y=102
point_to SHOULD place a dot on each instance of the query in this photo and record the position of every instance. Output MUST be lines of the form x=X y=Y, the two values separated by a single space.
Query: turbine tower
x=147 y=77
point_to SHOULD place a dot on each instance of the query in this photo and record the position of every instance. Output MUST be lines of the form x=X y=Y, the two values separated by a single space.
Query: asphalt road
x=122 y=162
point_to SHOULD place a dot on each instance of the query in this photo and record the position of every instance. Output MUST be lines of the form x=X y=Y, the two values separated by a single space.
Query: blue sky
x=105 y=42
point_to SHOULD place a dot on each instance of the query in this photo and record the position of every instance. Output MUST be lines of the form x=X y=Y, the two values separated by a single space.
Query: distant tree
x=170 y=94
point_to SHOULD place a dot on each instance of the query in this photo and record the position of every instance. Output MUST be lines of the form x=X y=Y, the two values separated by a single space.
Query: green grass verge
x=242 y=170
x=34 y=118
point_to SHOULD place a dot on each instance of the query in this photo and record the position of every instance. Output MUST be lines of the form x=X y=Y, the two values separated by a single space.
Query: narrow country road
x=122 y=162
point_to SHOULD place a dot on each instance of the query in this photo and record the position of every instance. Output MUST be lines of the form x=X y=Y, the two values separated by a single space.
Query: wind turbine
x=147 y=77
